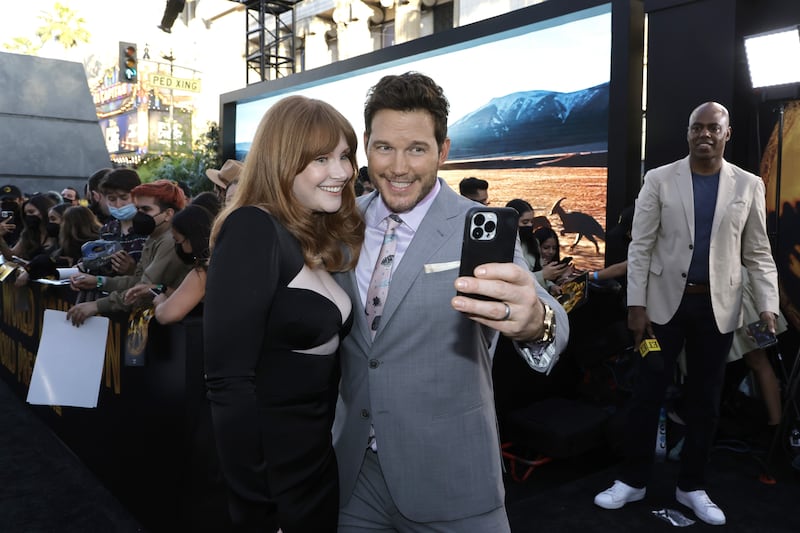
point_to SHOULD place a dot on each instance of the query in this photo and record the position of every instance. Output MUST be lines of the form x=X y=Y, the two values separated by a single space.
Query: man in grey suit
x=697 y=221
x=415 y=431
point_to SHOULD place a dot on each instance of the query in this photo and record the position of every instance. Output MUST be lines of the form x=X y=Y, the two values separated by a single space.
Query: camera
x=4 y=215
x=483 y=226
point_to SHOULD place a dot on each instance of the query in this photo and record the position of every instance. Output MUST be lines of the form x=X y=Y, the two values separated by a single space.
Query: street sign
x=178 y=84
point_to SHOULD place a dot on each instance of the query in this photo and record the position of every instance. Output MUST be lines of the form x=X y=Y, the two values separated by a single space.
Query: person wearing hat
x=10 y=221
x=226 y=179
x=11 y=193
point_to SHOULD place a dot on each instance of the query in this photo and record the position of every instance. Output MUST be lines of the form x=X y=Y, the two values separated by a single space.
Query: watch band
x=541 y=354
x=549 y=324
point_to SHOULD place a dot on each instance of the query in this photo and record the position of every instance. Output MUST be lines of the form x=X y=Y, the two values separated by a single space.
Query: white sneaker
x=699 y=502
x=618 y=495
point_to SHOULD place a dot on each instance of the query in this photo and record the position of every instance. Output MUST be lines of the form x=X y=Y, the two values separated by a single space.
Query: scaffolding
x=270 y=27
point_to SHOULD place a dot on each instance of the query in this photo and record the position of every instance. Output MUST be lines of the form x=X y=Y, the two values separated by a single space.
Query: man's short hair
x=411 y=91
x=120 y=179
x=93 y=183
x=470 y=186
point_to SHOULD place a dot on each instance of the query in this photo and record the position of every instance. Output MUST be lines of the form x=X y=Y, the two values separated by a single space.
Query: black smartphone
x=490 y=235
x=155 y=291
x=761 y=335
x=565 y=260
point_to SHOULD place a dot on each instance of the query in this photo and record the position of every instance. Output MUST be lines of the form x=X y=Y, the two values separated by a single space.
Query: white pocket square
x=430 y=268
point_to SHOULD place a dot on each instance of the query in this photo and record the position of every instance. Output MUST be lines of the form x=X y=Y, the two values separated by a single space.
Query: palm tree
x=23 y=45
x=64 y=26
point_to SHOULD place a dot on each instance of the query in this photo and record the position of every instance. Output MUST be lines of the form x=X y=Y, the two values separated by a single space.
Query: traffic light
x=128 y=63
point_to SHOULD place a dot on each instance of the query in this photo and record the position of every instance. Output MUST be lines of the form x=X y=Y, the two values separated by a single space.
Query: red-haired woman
x=274 y=316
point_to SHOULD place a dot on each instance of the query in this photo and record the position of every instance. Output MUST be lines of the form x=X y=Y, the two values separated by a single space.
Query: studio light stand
x=773 y=59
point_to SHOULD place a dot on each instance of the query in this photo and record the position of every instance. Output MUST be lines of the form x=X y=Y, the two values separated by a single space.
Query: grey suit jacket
x=425 y=383
x=663 y=237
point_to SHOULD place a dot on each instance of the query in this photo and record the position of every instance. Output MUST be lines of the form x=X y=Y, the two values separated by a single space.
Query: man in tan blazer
x=697 y=221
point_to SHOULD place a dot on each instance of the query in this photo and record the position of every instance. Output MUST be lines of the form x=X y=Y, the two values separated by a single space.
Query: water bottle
x=661 y=440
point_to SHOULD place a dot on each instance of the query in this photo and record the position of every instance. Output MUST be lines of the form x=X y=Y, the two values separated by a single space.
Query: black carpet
x=557 y=499
x=44 y=488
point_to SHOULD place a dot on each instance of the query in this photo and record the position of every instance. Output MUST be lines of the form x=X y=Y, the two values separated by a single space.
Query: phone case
x=762 y=337
x=490 y=235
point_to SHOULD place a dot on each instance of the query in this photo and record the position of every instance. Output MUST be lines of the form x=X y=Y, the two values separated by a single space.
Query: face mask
x=53 y=229
x=126 y=212
x=143 y=224
x=187 y=258
x=32 y=222
x=525 y=233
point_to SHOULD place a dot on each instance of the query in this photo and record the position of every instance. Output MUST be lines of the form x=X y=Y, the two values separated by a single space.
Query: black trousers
x=706 y=354
x=171 y=12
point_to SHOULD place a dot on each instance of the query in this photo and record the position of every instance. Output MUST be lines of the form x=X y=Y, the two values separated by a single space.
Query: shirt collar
x=412 y=218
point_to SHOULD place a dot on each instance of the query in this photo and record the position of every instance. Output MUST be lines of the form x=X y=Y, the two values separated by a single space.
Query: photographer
x=156 y=204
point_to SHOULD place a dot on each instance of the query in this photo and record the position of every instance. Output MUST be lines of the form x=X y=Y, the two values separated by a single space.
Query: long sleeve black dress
x=272 y=372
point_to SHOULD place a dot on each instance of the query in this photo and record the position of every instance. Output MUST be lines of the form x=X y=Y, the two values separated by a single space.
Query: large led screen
x=529 y=111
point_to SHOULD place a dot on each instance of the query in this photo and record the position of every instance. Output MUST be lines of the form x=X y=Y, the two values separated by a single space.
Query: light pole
x=169 y=57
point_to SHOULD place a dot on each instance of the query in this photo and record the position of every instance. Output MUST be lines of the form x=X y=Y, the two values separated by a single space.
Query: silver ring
x=508 y=312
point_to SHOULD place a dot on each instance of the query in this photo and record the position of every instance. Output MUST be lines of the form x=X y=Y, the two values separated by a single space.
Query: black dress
x=272 y=390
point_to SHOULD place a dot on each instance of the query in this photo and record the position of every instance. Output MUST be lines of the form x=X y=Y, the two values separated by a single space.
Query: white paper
x=69 y=363
x=65 y=273
x=59 y=282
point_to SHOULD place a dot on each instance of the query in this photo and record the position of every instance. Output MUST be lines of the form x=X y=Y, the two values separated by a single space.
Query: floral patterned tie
x=382 y=275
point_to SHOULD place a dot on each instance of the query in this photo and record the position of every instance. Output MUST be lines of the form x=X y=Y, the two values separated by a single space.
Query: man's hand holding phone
x=7 y=223
x=492 y=289
x=509 y=290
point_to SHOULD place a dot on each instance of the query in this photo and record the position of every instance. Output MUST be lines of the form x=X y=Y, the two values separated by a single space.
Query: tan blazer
x=663 y=238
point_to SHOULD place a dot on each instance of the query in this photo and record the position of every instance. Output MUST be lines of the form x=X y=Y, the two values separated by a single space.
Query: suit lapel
x=436 y=229
x=727 y=182
x=683 y=183
x=349 y=282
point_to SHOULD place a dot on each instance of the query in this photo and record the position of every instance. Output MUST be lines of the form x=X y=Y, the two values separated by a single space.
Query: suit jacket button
x=373 y=363
x=691 y=246
x=683 y=275
x=364 y=413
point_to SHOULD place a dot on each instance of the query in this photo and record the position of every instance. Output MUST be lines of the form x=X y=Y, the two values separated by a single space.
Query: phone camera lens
x=477 y=233
x=479 y=219
x=489 y=226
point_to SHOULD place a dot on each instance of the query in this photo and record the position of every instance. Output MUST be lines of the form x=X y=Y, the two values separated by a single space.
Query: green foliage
x=62 y=24
x=23 y=45
x=189 y=169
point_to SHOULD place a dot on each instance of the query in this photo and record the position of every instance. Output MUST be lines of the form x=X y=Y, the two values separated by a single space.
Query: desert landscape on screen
x=583 y=187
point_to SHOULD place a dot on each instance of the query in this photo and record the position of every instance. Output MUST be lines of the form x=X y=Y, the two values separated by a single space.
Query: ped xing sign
x=178 y=84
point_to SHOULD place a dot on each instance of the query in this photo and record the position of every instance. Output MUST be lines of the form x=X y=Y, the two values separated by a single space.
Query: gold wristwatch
x=549 y=324
x=540 y=354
